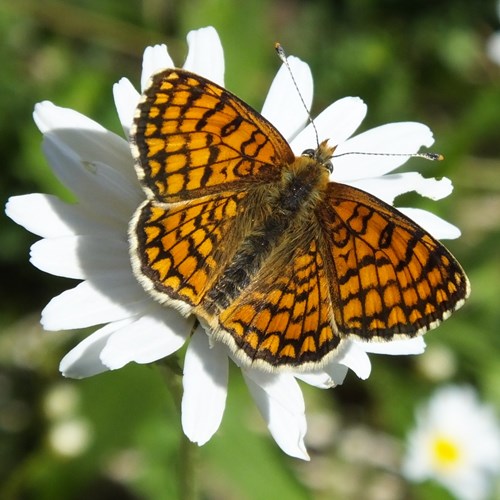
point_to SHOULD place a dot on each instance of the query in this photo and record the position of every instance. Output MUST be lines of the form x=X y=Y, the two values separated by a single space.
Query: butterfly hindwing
x=180 y=248
x=284 y=317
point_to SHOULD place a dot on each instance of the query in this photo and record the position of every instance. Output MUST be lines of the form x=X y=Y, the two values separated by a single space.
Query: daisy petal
x=317 y=379
x=47 y=216
x=396 y=347
x=85 y=137
x=108 y=298
x=336 y=123
x=337 y=372
x=147 y=339
x=281 y=403
x=355 y=358
x=283 y=106
x=439 y=228
x=100 y=186
x=80 y=257
x=389 y=186
x=126 y=100
x=205 y=387
x=84 y=360
x=205 y=55
x=398 y=138
x=154 y=60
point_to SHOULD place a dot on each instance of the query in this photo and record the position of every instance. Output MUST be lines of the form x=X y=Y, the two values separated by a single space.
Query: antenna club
x=435 y=156
x=280 y=51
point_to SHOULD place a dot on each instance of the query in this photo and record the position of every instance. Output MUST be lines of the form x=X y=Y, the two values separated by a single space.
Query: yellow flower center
x=446 y=452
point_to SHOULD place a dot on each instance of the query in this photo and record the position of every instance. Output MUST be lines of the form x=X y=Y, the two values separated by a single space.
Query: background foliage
x=418 y=60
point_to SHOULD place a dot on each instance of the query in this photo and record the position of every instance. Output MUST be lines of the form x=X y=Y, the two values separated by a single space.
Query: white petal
x=47 y=216
x=317 y=379
x=337 y=372
x=437 y=227
x=80 y=257
x=205 y=55
x=472 y=484
x=102 y=189
x=149 y=338
x=155 y=59
x=107 y=298
x=85 y=137
x=395 y=347
x=283 y=106
x=493 y=47
x=49 y=117
x=280 y=401
x=355 y=358
x=205 y=388
x=84 y=360
x=389 y=186
x=126 y=100
x=404 y=137
x=336 y=123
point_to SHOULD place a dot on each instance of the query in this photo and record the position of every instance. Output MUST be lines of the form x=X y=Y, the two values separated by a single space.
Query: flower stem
x=172 y=374
x=187 y=469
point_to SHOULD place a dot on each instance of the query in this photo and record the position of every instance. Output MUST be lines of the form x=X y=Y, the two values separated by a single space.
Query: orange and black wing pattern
x=388 y=277
x=191 y=138
x=279 y=263
x=179 y=250
x=285 y=316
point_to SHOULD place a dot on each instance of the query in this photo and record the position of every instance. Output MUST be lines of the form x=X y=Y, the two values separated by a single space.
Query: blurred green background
x=418 y=60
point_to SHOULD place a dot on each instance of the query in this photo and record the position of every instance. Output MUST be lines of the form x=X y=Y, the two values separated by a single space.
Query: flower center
x=446 y=452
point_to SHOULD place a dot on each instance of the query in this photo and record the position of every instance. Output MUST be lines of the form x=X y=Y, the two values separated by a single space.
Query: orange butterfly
x=275 y=260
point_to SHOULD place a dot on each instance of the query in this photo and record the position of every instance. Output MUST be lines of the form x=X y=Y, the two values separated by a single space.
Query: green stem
x=172 y=375
x=187 y=469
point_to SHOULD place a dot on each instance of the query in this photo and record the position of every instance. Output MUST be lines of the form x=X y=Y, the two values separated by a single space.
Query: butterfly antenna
x=426 y=156
x=282 y=55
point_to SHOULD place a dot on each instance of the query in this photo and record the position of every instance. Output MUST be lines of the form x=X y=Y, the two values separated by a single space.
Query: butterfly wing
x=388 y=277
x=191 y=137
x=178 y=250
x=357 y=267
x=353 y=266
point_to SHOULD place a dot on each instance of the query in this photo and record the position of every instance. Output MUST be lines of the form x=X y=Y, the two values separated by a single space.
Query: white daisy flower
x=88 y=241
x=456 y=442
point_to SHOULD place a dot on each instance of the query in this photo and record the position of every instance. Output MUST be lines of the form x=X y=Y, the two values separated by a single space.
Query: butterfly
x=274 y=259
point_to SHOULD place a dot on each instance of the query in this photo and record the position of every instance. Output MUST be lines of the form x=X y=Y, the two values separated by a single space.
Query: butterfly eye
x=316 y=154
x=310 y=153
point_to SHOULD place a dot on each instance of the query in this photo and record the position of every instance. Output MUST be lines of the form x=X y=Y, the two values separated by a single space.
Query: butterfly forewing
x=191 y=137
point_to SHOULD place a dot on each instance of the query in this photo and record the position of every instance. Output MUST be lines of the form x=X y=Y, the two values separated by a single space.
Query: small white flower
x=493 y=43
x=88 y=241
x=456 y=442
x=70 y=438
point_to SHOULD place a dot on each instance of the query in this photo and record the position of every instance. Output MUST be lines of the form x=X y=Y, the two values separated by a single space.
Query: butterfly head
x=323 y=154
